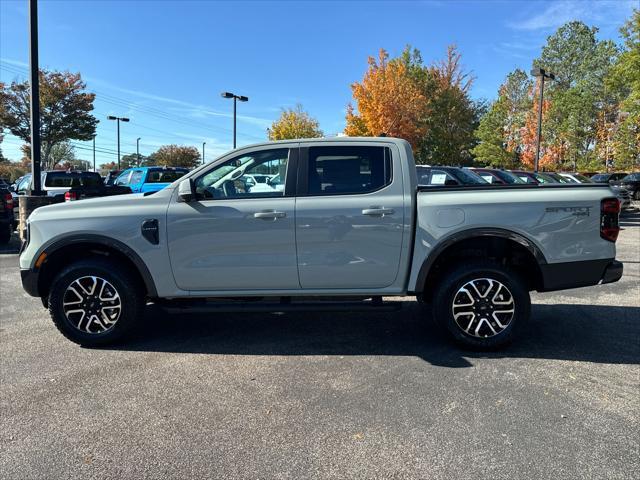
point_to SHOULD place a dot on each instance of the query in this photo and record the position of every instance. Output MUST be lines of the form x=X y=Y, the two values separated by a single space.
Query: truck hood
x=92 y=205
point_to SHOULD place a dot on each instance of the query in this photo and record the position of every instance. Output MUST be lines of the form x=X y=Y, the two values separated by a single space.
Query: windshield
x=545 y=178
x=601 y=177
x=467 y=176
x=69 y=180
x=632 y=177
x=508 y=177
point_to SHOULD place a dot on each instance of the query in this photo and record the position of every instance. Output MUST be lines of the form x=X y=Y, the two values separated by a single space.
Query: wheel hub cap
x=483 y=307
x=92 y=304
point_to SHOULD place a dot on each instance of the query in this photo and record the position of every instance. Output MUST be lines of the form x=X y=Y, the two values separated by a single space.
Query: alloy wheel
x=92 y=304
x=483 y=307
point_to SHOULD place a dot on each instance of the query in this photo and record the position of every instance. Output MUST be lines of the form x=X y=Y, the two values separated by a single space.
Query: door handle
x=269 y=215
x=378 y=211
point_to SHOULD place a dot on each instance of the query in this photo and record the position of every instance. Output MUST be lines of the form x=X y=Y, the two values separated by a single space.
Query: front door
x=349 y=216
x=238 y=235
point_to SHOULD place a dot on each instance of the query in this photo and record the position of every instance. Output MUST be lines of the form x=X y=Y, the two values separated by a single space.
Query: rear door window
x=344 y=170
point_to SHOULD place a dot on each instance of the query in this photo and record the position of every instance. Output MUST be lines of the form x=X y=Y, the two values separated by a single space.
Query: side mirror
x=187 y=190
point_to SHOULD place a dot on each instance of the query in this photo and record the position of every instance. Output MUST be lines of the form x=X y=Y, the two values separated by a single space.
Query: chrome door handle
x=378 y=211
x=269 y=215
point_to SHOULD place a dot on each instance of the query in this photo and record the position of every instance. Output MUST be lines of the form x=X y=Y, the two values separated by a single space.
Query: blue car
x=149 y=179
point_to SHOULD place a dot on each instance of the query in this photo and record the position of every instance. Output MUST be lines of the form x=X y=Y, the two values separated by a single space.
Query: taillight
x=69 y=196
x=610 y=219
x=8 y=201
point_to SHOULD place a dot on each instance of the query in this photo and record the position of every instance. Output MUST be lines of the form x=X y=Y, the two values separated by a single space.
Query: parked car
x=111 y=176
x=439 y=175
x=149 y=179
x=68 y=185
x=632 y=184
x=536 y=178
x=575 y=177
x=614 y=180
x=7 y=219
x=350 y=222
x=496 y=176
x=610 y=178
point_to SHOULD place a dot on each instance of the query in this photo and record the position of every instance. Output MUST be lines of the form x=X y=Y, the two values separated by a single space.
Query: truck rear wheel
x=94 y=302
x=482 y=304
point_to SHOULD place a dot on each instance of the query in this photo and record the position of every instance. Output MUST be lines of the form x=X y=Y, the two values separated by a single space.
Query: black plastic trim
x=561 y=276
x=29 y=280
x=107 y=242
x=151 y=231
x=474 y=233
x=497 y=186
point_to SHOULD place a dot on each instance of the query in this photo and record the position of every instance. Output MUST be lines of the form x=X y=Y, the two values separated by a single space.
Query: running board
x=373 y=305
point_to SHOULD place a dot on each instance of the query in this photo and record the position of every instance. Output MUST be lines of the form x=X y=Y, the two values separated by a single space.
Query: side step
x=285 y=304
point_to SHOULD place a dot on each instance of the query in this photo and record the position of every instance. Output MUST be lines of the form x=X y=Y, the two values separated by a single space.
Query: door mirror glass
x=187 y=190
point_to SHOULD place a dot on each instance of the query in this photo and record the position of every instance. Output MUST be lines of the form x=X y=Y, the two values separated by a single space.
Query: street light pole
x=118 y=120
x=35 y=187
x=540 y=72
x=94 y=153
x=138 y=151
x=203 y=144
x=235 y=97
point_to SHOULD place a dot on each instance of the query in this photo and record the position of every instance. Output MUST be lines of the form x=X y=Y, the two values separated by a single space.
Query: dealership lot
x=330 y=395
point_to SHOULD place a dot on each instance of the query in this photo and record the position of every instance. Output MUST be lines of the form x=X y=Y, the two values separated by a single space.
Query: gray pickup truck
x=344 y=225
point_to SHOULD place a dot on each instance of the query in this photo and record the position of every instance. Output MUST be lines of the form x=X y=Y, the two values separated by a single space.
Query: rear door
x=349 y=215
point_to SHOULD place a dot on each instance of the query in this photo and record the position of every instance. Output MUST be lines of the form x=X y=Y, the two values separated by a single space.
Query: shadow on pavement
x=630 y=218
x=587 y=333
x=11 y=248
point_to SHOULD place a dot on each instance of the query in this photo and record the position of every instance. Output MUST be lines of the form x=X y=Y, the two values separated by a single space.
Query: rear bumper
x=562 y=276
x=30 y=282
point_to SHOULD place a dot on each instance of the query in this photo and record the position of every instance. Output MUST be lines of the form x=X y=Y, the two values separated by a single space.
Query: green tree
x=294 y=123
x=175 y=156
x=500 y=130
x=623 y=83
x=132 y=160
x=65 y=110
x=450 y=116
x=580 y=62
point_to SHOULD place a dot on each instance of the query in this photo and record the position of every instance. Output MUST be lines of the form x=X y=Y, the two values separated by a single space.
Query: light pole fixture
x=118 y=120
x=235 y=97
x=542 y=73
x=35 y=187
x=138 y=151
x=203 y=144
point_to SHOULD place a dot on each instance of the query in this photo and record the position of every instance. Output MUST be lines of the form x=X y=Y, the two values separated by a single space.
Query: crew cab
x=350 y=227
x=149 y=179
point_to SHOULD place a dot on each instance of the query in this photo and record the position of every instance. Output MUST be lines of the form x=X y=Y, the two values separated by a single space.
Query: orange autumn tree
x=549 y=154
x=387 y=101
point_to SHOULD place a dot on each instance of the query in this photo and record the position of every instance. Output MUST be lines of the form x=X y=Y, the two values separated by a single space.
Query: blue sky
x=164 y=63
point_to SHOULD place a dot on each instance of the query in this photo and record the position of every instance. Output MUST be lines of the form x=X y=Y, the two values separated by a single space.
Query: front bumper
x=562 y=276
x=30 y=281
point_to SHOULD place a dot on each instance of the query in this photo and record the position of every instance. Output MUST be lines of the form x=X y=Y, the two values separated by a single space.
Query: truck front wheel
x=94 y=302
x=481 y=304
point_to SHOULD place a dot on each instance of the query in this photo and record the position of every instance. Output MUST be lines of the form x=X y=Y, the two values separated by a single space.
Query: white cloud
x=555 y=14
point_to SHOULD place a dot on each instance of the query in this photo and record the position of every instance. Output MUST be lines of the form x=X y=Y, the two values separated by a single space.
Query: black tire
x=114 y=277
x=5 y=234
x=499 y=328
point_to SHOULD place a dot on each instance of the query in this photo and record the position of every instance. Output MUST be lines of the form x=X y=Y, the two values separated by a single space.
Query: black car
x=631 y=183
x=611 y=178
x=7 y=221
x=449 y=176
x=111 y=177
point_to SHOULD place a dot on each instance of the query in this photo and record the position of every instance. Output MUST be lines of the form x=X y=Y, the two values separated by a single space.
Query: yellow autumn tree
x=294 y=123
x=388 y=101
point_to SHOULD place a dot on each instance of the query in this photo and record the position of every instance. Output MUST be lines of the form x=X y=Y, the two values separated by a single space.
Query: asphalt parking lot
x=327 y=395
